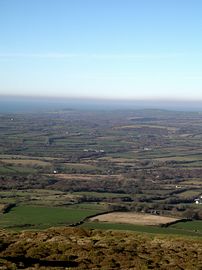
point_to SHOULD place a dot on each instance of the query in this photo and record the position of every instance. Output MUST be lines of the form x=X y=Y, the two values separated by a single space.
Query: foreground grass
x=73 y=248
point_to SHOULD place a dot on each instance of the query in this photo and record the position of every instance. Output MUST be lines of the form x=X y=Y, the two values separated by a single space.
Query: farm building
x=198 y=200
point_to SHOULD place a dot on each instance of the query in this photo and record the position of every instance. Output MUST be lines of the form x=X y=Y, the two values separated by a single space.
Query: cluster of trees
x=8 y=182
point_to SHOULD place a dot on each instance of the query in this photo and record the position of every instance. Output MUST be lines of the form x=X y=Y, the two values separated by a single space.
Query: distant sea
x=32 y=105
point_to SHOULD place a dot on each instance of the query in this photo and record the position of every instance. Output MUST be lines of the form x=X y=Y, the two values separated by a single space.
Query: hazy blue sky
x=101 y=48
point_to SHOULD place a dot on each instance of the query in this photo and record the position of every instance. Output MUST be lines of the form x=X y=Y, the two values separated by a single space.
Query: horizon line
x=90 y=98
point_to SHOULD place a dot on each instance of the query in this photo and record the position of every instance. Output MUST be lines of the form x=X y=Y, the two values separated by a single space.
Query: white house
x=198 y=200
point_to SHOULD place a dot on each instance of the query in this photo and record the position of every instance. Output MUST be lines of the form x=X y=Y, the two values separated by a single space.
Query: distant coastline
x=11 y=104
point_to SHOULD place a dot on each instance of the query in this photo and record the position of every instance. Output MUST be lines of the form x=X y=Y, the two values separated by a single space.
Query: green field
x=99 y=207
x=23 y=217
x=16 y=169
x=195 y=225
x=175 y=229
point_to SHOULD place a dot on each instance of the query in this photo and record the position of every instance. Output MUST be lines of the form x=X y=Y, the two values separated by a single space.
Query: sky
x=109 y=49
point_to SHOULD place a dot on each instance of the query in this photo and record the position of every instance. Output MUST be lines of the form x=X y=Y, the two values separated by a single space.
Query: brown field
x=2 y=207
x=120 y=160
x=84 y=176
x=193 y=181
x=133 y=218
x=27 y=157
x=189 y=193
x=79 y=165
x=146 y=126
x=179 y=158
x=31 y=162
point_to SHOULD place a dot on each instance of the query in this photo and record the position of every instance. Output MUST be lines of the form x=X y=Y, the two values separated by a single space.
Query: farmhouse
x=198 y=200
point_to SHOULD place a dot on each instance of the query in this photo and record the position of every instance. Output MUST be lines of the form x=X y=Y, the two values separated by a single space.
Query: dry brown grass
x=125 y=161
x=84 y=249
x=84 y=176
x=2 y=207
x=31 y=162
x=146 y=126
x=133 y=218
